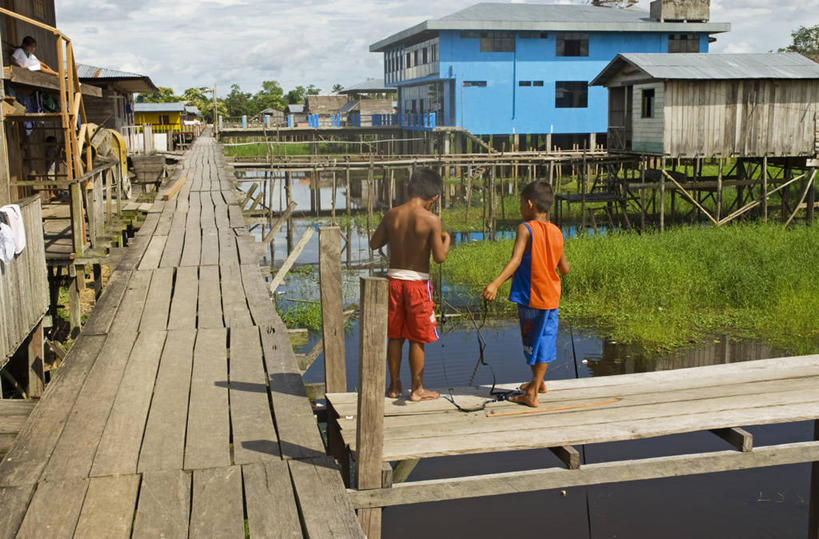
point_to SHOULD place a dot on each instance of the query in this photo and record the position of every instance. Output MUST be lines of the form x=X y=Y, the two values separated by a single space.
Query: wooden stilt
x=332 y=316
x=36 y=380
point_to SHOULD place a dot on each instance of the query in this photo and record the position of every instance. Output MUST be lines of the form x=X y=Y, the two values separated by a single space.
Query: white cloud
x=186 y=43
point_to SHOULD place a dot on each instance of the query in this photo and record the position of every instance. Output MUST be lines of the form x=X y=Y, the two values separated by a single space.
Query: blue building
x=524 y=68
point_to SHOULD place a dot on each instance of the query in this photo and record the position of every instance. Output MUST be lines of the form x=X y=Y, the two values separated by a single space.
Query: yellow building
x=162 y=117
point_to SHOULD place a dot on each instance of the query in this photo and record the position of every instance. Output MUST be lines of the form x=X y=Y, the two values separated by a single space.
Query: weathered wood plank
x=25 y=461
x=153 y=254
x=54 y=509
x=74 y=453
x=15 y=501
x=158 y=304
x=235 y=216
x=164 y=442
x=332 y=316
x=247 y=249
x=118 y=451
x=108 y=510
x=271 y=503
x=207 y=218
x=217 y=503
x=589 y=474
x=234 y=299
x=254 y=434
x=103 y=314
x=228 y=253
x=741 y=439
x=164 y=505
x=209 y=247
x=324 y=505
x=183 y=305
x=191 y=252
x=208 y=444
x=210 y=298
x=172 y=255
x=258 y=296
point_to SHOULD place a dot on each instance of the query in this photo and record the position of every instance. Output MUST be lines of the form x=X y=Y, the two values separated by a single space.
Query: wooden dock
x=721 y=399
x=180 y=409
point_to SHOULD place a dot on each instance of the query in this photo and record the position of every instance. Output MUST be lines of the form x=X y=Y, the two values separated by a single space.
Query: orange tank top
x=536 y=283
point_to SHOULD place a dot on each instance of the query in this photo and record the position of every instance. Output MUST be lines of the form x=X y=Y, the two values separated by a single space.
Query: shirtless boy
x=412 y=232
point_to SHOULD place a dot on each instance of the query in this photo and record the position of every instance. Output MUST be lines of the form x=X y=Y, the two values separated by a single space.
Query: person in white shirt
x=24 y=57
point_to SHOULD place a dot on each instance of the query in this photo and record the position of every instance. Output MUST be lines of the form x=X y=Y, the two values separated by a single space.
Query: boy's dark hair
x=27 y=41
x=540 y=194
x=425 y=183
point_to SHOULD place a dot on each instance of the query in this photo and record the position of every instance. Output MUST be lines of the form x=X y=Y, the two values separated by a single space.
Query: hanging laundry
x=6 y=243
x=14 y=218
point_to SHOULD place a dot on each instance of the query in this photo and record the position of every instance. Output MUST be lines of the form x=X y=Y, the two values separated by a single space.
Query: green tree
x=299 y=93
x=337 y=88
x=805 y=42
x=201 y=98
x=237 y=103
x=164 y=95
x=271 y=96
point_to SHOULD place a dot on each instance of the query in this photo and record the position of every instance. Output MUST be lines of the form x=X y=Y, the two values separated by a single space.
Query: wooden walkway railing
x=180 y=409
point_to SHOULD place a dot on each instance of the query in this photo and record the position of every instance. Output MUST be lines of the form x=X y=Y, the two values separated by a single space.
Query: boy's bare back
x=411 y=231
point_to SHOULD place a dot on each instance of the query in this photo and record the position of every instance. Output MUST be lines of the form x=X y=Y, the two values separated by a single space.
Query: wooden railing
x=24 y=294
x=139 y=139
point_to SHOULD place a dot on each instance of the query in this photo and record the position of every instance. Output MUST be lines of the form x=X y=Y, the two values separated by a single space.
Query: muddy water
x=762 y=503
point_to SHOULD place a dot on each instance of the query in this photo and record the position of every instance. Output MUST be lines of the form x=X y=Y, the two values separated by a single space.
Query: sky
x=191 y=43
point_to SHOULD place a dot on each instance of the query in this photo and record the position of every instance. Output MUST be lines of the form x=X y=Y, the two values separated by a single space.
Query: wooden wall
x=108 y=110
x=647 y=133
x=13 y=31
x=747 y=118
x=24 y=284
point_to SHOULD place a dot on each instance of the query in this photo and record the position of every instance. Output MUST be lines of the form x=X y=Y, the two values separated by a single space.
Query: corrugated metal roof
x=85 y=71
x=190 y=109
x=159 y=107
x=545 y=17
x=368 y=86
x=694 y=66
x=295 y=109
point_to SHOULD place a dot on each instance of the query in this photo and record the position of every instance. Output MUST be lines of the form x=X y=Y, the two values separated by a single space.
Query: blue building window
x=572 y=44
x=571 y=94
x=683 y=43
x=530 y=83
x=480 y=83
x=497 y=42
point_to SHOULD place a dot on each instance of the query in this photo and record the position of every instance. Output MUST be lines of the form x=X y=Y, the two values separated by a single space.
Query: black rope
x=495 y=395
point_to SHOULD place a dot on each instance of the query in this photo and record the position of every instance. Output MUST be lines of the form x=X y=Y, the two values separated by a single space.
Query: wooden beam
x=291 y=259
x=280 y=220
x=568 y=454
x=372 y=379
x=21 y=75
x=589 y=474
x=174 y=188
x=741 y=439
x=403 y=469
x=332 y=305
x=36 y=379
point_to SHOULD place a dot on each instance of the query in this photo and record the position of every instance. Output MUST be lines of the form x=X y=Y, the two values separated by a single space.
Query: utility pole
x=215 y=113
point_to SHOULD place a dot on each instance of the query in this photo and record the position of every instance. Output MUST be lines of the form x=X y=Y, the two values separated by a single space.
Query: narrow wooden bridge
x=180 y=409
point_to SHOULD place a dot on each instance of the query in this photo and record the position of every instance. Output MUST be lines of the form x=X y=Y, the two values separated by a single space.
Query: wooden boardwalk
x=180 y=409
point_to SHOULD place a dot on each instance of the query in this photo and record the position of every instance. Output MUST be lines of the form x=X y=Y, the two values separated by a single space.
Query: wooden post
x=5 y=177
x=77 y=233
x=662 y=199
x=36 y=380
x=813 y=526
x=765 y=189
x=74 y=312
x=811 y=199
x=288 y=193
x=333 y=208
x=332 y=316
x=372 y=380
x=719 y=191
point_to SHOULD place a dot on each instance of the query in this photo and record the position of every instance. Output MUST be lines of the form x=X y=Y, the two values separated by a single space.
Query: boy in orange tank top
x=536 y=258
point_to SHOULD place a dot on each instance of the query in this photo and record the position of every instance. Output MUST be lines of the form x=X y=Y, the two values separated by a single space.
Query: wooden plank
x=258 y=296
x=372 y=379
x=15 y=501
x=172 y=254
x=220 y=211
x=271 y=503
x=108 y=510
x=291 y=259
x=103 y=313
x=191 y=252
x=228 y=253
x=158 y=303
x=164 y=505
x=254 y=434
x=208 y=433
x=568 y=455
x=153 y=254
x=25 y=461
x=217 y=510
x=207 y=217
x=183 y=305
x=332 y=316
x=247 y=249
x=118 y=451
x=73 y=455
x=163 y=227
x=164 y=440
x=234 y=300
x=210 y=247
x=235 y=216
x=323 y=503
x=741 y=439
x=210 y=298
x=54 y=509
x=589 y=474
x=171 y=190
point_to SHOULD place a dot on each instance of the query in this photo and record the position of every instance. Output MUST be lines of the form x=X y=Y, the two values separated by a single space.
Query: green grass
x=669 y=290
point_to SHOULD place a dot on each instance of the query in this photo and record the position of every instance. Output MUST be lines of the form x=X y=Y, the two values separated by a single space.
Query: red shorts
x=411 y=311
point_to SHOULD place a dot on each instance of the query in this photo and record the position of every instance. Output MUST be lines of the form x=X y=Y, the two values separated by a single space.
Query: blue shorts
x=538 y=329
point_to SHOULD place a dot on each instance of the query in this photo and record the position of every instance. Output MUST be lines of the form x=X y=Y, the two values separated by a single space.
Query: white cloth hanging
x=14 y=218
x=6 y=243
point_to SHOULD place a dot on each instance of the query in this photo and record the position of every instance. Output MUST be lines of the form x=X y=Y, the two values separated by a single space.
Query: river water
x=761 y=503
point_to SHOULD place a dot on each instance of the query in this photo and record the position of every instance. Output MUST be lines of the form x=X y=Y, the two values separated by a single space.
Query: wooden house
x=703 y=105
x=271 y=117
x=115 y=108
x=296 y=115
x=366 y=99
x=162 y=117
